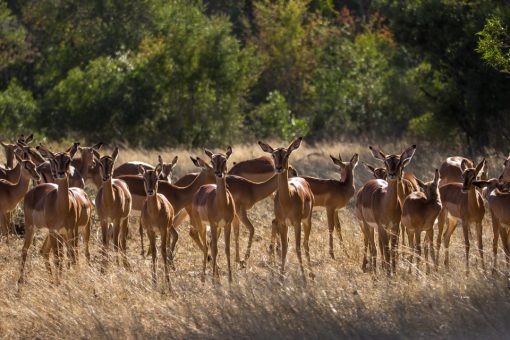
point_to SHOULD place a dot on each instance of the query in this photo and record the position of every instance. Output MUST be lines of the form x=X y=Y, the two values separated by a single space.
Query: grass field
x=342 y=302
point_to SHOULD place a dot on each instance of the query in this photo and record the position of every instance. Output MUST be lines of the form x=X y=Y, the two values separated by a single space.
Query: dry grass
x=341 y=302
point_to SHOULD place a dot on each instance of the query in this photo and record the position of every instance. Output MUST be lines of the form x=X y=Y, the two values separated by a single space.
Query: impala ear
x=436 y=176
x=97 y=146
x=378 y=154
x=96 y=154
x=406 y=156
x=208 y=153
x=141 y=169
x=115 y=154
x=336 y=160
x=481 y=184
x=4 y=145
x=158 y=169
x=44 y=151
x=371 y=168
x=73 y=149
x=203 y=164
x=229 y=151
x=293 y=172
x=422 y=185
x=354 y=160
x=265 y=147
x=296 y=143
x=174 y=161
x=195 y=161
x=160 y=159
x=29 y=139
x=464 y=165
x=480 y=166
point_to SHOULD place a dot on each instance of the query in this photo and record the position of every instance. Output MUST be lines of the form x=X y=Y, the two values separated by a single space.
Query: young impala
x=157 y=215
x=214 y=205
x=293 y=204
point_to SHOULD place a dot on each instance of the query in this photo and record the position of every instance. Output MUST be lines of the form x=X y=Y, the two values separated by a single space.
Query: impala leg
x=227 y=250
x=417 y=248
x=410 y=241
x=373 y=249
x=504 y=235
x=203 y=236
x=29 y=236
x=60 y=253
x=507 y=239
x=365 y=232
x=447 y=235
x=164 y=232
x=495 y=230
x=465 y=230
x=395 y=231
x=45 y=252
x=297 y=234
x=174 y=237
x=140 y=231
x=4 y=226
x=243 y=215
x=152 y=246
x=180 y=217
x=235 y=222
x=123 y=241
x=441 y=220
x=86 y=239
x=480 y=242
x=104 y=248
x=274 y=232
x=338 y=226
x=283 y=230
x=383 y=237
x=214 y=251
x=430 y=241
x=116 y=243
x=308 y=228
x=331 y=226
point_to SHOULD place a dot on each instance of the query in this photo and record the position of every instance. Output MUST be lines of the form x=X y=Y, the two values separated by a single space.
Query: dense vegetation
x=161 y=73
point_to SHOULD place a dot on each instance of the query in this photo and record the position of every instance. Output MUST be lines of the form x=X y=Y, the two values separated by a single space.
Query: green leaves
x=494 y=45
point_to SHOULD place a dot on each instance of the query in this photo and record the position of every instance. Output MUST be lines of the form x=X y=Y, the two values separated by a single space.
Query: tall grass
x=342 y=302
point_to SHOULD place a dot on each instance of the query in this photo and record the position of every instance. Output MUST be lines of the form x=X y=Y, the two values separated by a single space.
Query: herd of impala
x=394 y=203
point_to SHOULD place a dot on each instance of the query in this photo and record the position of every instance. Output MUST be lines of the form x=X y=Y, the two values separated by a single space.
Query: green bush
x=18 y=109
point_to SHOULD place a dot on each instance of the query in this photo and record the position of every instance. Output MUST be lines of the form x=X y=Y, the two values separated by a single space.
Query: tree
x=494 y=45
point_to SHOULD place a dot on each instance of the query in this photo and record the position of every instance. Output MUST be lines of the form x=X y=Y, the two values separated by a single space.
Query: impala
x=293 y=204
x=113 y=204
x=334 y=195
x=57 y=207
x=505 y=176
x=461 y=202
x=12 y=193
x=132 y=168
x=377 y=207
x=379 y=173
x=10 y=150
x=157 y=214
x=419 y=212
x=179 y=197
x=86 y=166
x=498 y=199
x=214 y=205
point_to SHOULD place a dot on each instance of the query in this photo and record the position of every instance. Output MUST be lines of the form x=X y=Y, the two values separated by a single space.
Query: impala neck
x=264 y=189
x=283 y=186
x=83 y=169
x=221 y=191
x=186 y=193
x=62 y=195
x=472 y=199
x=153 y=204
x=21 y=188
x=108 y=192
x=392 y=194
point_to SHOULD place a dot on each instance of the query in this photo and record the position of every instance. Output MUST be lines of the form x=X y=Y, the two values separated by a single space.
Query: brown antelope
x=179 y=197
x=334 y=195
x=419 y=212
x=254 y=170
x=498 y=199
x=214 y=205
x=113 y=204
x=12 y=193
x=505 y=176
x=131 y=168
x=377 y=207
x=461 y=202
x=293 y=204
x=379 y=173
x=10 y=150
x=85 y=164
x=157 y=214
x=57 y=207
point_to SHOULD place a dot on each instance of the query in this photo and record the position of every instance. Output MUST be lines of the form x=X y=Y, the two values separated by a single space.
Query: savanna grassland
x=342 y=302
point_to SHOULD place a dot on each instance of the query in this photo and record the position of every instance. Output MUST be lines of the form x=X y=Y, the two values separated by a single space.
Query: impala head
x=345 y=167
x=59 y=162
x=470 y=174
x=394 y=164
x=506 y=169
x=379 y=173
x=166 y=168
x=293 y=172
x=106 y=164
x=150 y=179
x=27 y=166
x=219 y=161
x=430 y=188
x=281 y=155
x=492 y=184
x=88 y=154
